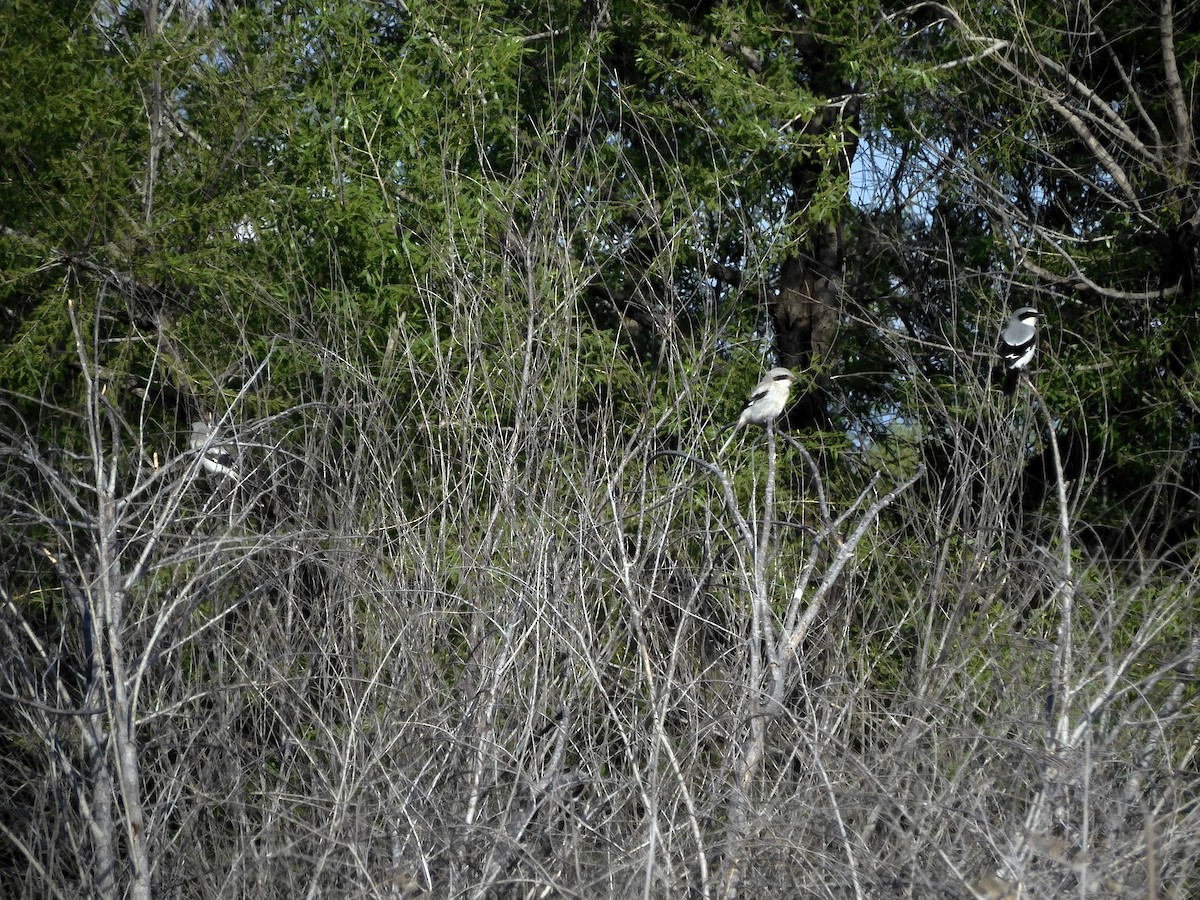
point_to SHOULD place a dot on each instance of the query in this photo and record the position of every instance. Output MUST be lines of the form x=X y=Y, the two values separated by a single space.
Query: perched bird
x=766 y=402
x=768 y=399
x=1018 y=342
x=215 y=457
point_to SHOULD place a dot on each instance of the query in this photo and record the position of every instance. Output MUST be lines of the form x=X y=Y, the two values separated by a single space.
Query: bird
x=768 y=399
x=215 y=457
x=766 y=402
x=1018 y=342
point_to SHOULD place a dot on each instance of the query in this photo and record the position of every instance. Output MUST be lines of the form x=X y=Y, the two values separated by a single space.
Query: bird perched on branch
x=1018 y=342
x=768 y=399
x=215 y=457
x=766 y=402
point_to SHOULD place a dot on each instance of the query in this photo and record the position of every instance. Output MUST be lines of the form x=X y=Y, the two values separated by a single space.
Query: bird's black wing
x=1010 y=351
x=755 y=397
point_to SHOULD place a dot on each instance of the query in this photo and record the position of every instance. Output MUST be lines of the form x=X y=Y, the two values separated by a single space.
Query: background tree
x=1064 y=172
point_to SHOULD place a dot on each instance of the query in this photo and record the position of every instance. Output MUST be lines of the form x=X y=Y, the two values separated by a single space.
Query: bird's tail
x=733 y=430
x=1004 y=378
x=1011 y=377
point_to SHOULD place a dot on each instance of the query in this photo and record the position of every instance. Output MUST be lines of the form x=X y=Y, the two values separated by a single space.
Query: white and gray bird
x=767 y=401
x=1018 y=342
x=215 y=457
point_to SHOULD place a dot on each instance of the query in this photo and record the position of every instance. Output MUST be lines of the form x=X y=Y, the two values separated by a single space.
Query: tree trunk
x=807 y=309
